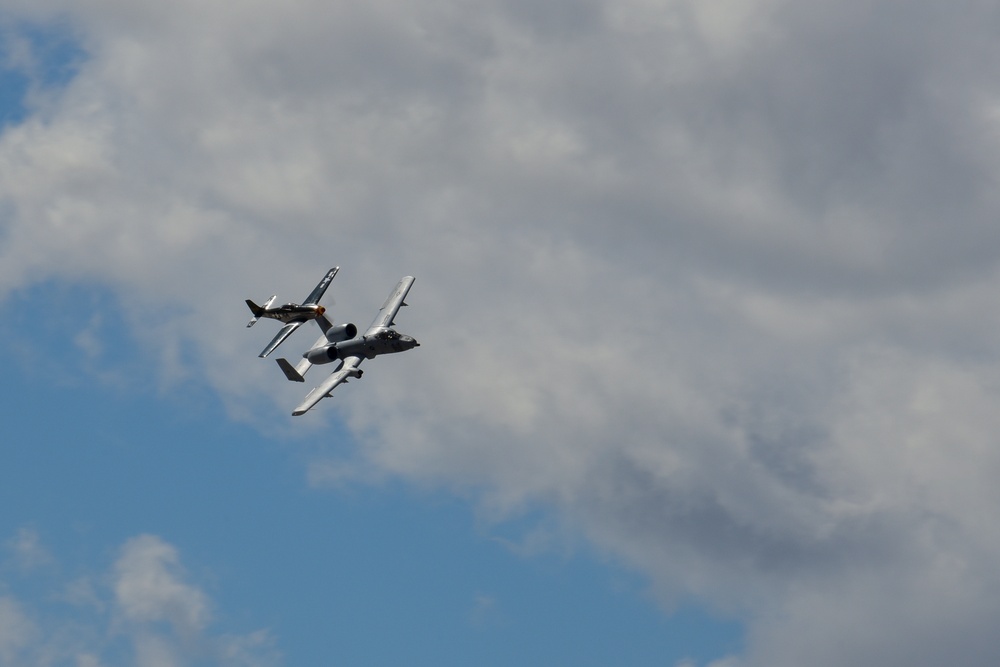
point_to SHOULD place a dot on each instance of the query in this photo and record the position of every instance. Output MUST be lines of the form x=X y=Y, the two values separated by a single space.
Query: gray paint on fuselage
x=369 y=346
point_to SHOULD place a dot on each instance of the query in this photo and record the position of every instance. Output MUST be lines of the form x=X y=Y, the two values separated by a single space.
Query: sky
x=706 y=295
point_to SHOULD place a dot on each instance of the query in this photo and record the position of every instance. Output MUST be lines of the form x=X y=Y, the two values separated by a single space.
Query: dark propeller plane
x=292 y=314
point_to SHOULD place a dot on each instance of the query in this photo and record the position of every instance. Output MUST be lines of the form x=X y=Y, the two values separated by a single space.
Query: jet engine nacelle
x=334 y=351
x=341 y=332
x=323 y=355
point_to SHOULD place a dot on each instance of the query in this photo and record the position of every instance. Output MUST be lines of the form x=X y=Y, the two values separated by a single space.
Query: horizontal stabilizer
x=290 y=371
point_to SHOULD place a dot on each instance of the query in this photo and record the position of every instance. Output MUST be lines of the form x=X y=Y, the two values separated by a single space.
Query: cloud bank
x=716 y=285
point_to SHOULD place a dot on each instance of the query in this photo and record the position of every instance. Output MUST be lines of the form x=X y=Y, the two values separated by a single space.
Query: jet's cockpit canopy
x=387 y=334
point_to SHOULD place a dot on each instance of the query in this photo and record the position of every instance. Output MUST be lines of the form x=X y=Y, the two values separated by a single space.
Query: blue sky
x=35 y=55
x=706 y=296
x=378 y=573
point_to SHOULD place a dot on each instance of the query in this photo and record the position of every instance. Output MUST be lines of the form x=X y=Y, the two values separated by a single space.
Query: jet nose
x=411 y=341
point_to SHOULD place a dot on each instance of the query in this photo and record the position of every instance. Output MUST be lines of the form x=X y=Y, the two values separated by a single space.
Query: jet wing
x=285 y=332
x=347 y=370
x=388 y=311
x=320 y=289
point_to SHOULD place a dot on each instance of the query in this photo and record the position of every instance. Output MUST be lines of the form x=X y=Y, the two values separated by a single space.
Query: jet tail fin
x=290 y=371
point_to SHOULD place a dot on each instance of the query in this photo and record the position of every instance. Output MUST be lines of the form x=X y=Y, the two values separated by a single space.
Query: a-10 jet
x=342 y=344
x=292 y=314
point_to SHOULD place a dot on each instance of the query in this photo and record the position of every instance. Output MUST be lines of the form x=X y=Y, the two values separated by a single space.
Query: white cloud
x=17 y=631
x=28 y=551
x=724 y=304
x=149 y=586
x=154 y=651
x=143 y=610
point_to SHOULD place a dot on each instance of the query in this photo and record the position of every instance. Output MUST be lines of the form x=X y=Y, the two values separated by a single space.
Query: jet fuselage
x=385 y=341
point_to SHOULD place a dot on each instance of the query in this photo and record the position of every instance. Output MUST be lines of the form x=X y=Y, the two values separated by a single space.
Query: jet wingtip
x=302 y=409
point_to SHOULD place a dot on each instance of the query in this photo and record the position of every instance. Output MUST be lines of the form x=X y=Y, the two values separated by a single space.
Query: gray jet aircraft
x=292 y=314
x=342 y=344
